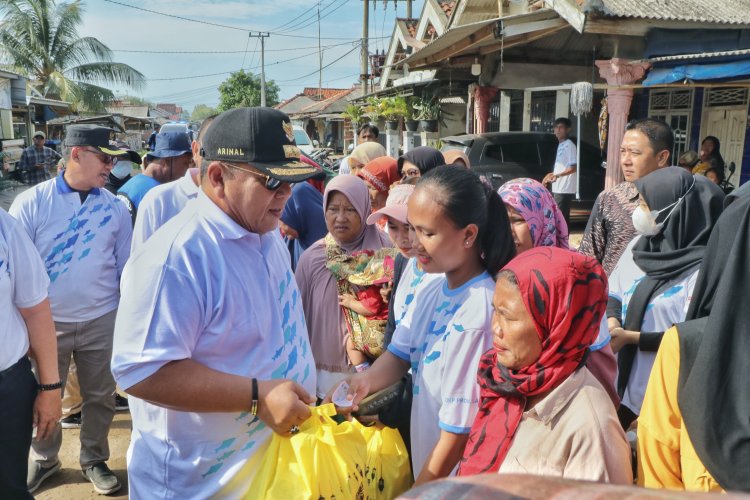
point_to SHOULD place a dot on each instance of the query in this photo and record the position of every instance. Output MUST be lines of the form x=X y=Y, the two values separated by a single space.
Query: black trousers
x=563 y=203
x=17 y=394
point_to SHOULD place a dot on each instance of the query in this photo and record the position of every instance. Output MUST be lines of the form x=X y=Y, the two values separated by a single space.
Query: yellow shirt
x=666 y=457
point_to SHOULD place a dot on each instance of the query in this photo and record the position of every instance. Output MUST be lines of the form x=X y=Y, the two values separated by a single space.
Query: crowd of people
x=227 y=298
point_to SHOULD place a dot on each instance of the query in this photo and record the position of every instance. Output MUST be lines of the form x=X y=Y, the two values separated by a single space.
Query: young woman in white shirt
x=461 y=229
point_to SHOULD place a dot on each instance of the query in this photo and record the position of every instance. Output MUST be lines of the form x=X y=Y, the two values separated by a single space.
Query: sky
x=291 y=61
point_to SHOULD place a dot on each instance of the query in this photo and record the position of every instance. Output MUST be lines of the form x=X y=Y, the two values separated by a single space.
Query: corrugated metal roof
x=702 y=55
x=711 y=11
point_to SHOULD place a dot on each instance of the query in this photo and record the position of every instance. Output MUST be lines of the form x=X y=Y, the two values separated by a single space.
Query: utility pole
x=262 y=37
x=365 y=53
x=320 y=60
x=364 y=72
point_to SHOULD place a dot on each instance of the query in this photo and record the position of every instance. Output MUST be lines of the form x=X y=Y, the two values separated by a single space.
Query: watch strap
x=50 y=387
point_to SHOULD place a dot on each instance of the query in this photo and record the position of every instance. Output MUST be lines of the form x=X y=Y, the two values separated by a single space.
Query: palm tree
x=39 y=39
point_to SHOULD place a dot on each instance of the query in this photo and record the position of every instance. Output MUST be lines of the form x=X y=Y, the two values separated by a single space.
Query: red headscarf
x=380 y=173
x=566 y=295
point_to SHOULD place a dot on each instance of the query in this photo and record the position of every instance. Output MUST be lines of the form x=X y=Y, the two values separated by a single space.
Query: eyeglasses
x=271 y=183
x=102 y=157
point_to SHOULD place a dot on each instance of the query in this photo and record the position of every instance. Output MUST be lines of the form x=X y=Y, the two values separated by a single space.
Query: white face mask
x=122 y=169
x=645 y=223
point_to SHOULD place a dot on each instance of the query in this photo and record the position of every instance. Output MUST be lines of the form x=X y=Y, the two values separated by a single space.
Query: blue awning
x=695 y=72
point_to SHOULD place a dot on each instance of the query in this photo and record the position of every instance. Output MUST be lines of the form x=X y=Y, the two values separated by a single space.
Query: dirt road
x=69 y=483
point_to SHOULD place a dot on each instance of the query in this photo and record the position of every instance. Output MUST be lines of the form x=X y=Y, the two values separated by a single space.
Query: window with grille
x=674 y=107
x=726 y=97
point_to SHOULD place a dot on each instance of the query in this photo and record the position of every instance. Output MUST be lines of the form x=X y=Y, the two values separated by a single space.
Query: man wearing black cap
x=166 y=163
x=82 y=233
x=37 y=159
x=211 y=342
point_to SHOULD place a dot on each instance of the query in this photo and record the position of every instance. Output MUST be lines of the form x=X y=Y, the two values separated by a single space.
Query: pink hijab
x=537 y=206
x=325 y=325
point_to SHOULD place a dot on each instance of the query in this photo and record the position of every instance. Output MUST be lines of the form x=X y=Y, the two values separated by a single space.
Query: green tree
x=242 y=89
x=39 y=39
x=201 y=112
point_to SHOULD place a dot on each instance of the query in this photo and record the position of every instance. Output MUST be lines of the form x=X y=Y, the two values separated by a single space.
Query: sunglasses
x=271 y=183
x=102 y=157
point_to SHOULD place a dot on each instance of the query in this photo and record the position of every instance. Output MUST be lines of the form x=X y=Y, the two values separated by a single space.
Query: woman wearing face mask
x=461 y=230
x=121 y=172
x=652 y=283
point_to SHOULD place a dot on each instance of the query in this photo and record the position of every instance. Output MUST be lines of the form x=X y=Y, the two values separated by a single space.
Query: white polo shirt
x=204 y=288
x=23 y=283
x=442 y=336
x=84 y=246
x=161 y=204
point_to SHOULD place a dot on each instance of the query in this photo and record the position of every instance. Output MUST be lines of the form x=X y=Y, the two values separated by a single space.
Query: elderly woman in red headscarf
x=541 y=411
x=379 y=174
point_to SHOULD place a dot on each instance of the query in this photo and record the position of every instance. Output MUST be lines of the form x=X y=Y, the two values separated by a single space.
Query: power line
x=245 y=56
x=227 y=51
x=292 y=20
x=208 y=23
x=324 y=67
x=312 y=19
x=234 y=71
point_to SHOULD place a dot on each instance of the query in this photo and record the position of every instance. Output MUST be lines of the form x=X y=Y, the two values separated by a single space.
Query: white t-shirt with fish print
x=443 y=334
x=84 y=246
x=206 y=289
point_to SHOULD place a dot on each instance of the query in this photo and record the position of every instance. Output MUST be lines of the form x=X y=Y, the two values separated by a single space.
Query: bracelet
x=50 y=387
x=254 y=405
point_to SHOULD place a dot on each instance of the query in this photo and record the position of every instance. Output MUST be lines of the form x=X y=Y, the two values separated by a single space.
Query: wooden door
x=728 y=125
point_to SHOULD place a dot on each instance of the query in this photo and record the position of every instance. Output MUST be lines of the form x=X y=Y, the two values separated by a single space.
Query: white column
x=562 y=103
x=526 y=110
x=408 y=141
x=504 y=111
x=430 y=138
x=392 y=143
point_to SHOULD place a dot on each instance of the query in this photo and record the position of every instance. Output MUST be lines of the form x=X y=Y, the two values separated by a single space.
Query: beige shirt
x=572 y=433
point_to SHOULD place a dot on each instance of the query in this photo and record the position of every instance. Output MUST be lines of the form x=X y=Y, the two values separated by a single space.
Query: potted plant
x=374 y=108
x=411 y=121
x=429 y=113
x=393 y=109
x=354 y=113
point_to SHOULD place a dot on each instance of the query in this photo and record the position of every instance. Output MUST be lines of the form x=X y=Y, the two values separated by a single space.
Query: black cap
x=132 y=155
x=262 y=137
x=92 y=135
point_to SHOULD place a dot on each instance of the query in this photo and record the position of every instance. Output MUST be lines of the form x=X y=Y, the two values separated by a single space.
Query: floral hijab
x=535 y=204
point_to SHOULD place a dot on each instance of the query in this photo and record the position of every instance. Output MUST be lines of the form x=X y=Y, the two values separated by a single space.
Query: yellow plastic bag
x=324 y=460
x=388 y=470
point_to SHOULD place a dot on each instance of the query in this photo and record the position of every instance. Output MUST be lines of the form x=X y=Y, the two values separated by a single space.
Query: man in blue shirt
x=167 y=162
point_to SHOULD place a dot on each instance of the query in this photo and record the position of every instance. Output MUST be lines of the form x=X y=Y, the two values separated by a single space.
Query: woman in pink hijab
x=346 y=205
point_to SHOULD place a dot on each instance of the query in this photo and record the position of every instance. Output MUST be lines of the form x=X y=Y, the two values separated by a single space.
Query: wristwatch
x=50 y=387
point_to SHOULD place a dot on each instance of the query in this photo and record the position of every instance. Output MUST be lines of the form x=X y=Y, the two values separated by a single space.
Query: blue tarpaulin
x=696 y=72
